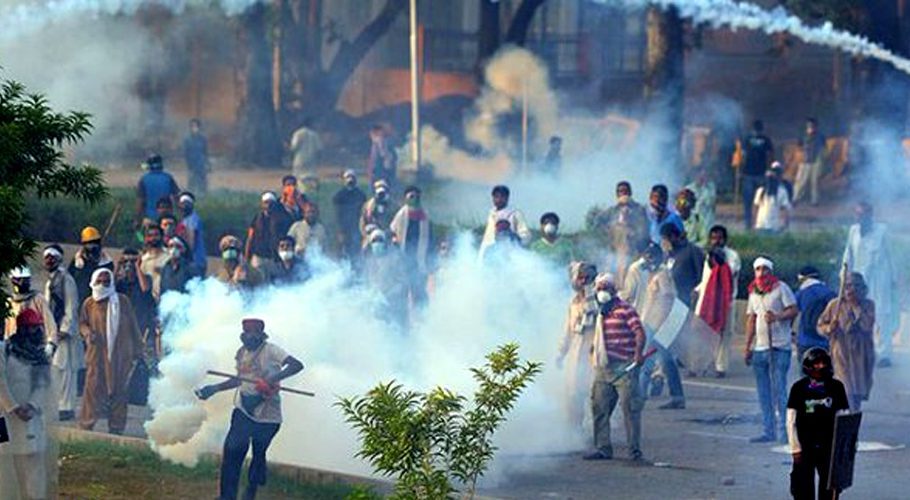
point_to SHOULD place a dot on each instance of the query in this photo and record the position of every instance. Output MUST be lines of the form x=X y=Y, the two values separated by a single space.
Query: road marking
x=718 y=435
x=711 y=385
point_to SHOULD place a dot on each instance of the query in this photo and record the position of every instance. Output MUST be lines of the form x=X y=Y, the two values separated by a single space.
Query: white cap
x=604 y=279
x=269 y=196
x=763 y=262
x=349 y=173
x=21 y=272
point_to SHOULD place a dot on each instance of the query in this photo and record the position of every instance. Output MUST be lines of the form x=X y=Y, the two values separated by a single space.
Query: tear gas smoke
x=347 y=348
x=735 y=15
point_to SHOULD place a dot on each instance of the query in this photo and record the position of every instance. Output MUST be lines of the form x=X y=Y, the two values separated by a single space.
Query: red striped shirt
x=619 y=327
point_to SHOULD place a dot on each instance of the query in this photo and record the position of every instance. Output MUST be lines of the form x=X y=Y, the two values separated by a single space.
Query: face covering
x=251 y=341
x=623 y=199
x=101 y=292
x=285 y=255
x=378 y=247
x=153 y=241
x=350 y=183
x=229 y=254
x=22 y=287
x=550 y=229
x=92 y=252
x=604 y=296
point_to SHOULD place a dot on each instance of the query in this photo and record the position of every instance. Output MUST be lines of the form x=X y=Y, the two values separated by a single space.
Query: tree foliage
x=32 y=136
x=431 y=442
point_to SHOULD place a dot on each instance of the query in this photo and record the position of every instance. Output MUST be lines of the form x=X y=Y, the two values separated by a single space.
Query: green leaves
x=31 y=138
x=428 y=440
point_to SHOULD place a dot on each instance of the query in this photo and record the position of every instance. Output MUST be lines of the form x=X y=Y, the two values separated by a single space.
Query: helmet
x=89 y=234
x=812 y=356
x=22 y=272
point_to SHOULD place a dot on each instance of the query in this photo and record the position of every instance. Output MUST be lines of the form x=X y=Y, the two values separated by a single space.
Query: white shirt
x=265 y=361
x=775 y=301
x=735 y=264
x=516 y=221
x=770 y=208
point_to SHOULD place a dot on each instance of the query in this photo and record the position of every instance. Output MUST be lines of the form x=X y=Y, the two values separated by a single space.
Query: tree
x=428 y=441
x=665 y=77
x=31 y=138
x=490 y=38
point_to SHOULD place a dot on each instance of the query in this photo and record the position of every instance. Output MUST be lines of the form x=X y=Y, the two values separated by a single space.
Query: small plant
x=431 y=442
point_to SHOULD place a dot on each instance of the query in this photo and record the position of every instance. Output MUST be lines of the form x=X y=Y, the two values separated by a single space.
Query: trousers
x=802 y=476
x=770 y=367
x=604 y=398
x=243 y=432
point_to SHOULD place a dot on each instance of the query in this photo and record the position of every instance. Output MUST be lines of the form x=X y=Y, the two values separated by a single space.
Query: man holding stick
x=257 y=413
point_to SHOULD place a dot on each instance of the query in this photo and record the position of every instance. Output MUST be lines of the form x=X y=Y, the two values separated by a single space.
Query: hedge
x=230 y=212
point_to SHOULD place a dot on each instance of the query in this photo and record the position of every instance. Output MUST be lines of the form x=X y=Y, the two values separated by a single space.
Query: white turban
x=763 y=262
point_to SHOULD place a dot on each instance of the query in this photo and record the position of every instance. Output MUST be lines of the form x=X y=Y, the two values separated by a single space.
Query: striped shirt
x=619 y=327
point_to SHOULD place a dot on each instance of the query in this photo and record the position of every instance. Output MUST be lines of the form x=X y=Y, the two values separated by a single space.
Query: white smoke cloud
x=334 y=329
x=736 y=15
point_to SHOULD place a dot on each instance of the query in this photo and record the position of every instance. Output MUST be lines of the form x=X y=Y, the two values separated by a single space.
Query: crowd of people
x=96 y=319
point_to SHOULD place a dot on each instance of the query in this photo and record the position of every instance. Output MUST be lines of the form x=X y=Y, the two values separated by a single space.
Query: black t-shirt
x=758 y=150
x=816 y=404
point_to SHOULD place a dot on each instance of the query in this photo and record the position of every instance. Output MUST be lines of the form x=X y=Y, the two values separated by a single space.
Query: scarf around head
x=763 y=285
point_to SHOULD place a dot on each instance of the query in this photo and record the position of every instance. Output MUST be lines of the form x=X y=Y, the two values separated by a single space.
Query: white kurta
x=870 y=256
x=399 y=227
x=516 y=220
x=575 y=351
x=70 y=355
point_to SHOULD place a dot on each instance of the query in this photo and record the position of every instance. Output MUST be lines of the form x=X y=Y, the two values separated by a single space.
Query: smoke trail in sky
x=735 y=15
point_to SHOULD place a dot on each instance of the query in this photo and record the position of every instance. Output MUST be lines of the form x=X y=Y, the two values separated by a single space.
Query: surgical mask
x=350 y=182
x=378 y=247
x=92 y=251
x=624 y=199
x=604 y=296
x=251 y=341
x=381 y=195
x=285 y=255
x=550 y=229
x=230 y=254
x=413 y=202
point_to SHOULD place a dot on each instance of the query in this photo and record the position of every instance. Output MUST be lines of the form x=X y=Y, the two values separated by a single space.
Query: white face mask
x=604 y=296
x=285 y=255
x=101 y=292
x=550 y=229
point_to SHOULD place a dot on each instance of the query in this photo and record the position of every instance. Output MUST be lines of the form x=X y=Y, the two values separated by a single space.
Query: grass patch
x=96 y=470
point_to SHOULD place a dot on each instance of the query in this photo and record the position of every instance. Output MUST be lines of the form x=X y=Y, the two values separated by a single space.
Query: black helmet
x=812 y=356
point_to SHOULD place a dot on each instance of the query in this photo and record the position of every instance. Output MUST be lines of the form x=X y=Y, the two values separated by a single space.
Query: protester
x=705 y=191
x=108 y=325
x=386 y=272
x=626 y=226
x=810 y=168
x=24 y=297
x=411 y=230
x=191 y=229
x=772 y=205
x=578 y=340
x=257 y=407
x=348 y=202
x=552 y=163
x=694 y=225
x=501 y=211
x=769 y=312
x=10 y=409
x=168 y=225
x=867 y=252
x=505 y=242
x=154 y=185
x=812 y=298
x=650 y=290
x=269 y=225
x=659 y=215
x=849 y=325
x=308 y=233
x=684 y=260
x=28 y=376
x=236 y=273
x=717 y=293
x=814 y=403
x=383 y=161
x=292 y=199
x=63 y=304
x=153 y=259
x=88 y=258
x=178 y=270
x=304 y=147
x=131 y=282
x=288 y=267
x=618 y=341
x=758 y=153
x=551 y=245
x=378 y=211
x=196 y=155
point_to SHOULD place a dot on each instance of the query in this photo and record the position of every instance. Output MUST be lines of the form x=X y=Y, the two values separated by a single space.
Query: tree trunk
x=325 y=90
x=258 y=140
x=488 y=37
x=665 y=79
x=521 y=22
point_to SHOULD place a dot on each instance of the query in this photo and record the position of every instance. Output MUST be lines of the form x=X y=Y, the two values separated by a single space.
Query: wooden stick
x=251 y=381
x=840 y=294
x=113 y=219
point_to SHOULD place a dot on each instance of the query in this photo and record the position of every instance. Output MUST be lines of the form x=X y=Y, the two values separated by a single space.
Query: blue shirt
x=193 y=224
x=812 y=301
x=670 y=218
x=153 y=186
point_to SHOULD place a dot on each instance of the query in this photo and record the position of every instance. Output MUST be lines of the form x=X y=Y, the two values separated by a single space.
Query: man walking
x=618 y=341
x=63 y=302
x=257 y=407
x=771 y=308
